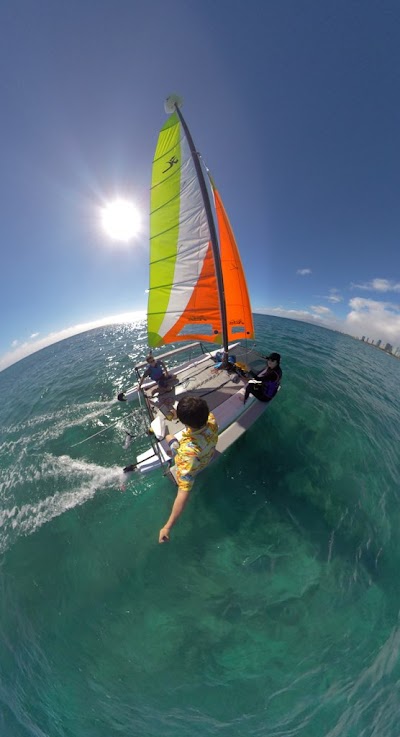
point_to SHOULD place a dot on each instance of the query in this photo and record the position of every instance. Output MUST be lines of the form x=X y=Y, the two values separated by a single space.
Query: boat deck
x=202 y=378
x=223 y=390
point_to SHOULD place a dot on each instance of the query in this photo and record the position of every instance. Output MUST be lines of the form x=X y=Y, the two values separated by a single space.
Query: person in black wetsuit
x=265 y=384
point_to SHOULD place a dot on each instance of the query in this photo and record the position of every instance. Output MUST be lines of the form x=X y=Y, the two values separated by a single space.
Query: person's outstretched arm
x=177 y=509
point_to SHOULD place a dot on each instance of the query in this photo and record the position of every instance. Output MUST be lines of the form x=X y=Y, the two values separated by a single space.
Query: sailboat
x=197 y=292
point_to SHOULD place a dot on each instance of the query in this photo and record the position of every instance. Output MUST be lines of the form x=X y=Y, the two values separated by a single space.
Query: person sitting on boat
x=157 y=371
x=192 y=453
x=265 y=384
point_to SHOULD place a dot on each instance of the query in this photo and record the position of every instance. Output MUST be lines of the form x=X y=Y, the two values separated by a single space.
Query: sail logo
x=236 y=322
x=173 y=160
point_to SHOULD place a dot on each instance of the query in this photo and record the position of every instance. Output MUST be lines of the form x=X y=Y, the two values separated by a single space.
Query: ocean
x=273 y=611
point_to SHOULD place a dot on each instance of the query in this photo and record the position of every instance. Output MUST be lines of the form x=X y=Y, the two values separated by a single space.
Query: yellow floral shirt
x=196 y=449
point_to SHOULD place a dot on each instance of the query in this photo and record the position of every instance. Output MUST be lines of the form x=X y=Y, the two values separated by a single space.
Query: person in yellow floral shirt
x=192 y=452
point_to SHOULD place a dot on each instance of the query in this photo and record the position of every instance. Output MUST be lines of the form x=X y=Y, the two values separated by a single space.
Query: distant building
x=363 y=338
x=378 y=342
x=388 y=348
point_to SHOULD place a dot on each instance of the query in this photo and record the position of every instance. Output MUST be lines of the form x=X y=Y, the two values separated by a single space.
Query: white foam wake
x=72 y=415
x=27 y=518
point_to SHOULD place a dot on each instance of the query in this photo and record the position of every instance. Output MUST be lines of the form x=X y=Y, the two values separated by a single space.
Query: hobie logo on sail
x=173 y=160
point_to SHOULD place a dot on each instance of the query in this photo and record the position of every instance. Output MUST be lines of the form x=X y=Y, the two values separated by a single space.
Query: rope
x=96 y=433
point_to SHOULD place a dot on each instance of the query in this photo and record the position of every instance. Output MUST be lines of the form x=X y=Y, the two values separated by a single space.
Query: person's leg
x=256 y=391
x=250 y=389
x=164 y=389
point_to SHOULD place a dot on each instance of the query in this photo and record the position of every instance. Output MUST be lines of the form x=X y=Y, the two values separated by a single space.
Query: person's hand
x=164 y=535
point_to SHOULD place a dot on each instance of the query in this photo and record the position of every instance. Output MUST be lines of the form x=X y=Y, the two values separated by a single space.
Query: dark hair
x=193 y=411
x=150 y=357
x=274 y=357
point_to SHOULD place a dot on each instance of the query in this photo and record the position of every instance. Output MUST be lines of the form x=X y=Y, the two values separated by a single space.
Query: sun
x=121 y=220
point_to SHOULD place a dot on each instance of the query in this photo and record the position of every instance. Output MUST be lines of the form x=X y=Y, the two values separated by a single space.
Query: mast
x=174 y=103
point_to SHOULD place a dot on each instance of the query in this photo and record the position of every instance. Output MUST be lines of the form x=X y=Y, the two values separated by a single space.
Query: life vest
x=155 y=372
x=270 y=383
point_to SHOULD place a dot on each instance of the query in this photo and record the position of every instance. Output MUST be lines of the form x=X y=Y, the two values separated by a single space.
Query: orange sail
x=238 y=308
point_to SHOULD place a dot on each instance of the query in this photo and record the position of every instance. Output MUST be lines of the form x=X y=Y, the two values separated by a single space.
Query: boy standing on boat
x=192 y=452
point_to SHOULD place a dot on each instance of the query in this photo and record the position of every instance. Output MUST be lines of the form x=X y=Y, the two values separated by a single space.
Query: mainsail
x=191 y=297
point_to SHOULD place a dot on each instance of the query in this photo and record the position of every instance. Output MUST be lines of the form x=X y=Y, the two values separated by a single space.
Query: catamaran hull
x=150 y=461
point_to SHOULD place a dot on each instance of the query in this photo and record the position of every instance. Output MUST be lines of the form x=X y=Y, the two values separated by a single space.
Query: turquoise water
x=275 y=608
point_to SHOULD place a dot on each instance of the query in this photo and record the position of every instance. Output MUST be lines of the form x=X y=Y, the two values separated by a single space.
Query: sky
x=294 y=106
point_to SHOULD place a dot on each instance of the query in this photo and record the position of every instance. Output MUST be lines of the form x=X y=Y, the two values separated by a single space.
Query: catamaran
x=197 y=292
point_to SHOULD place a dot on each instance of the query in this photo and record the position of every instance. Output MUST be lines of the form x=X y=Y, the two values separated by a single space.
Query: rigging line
x=197 y=373
x=96 y=433
x=140 y=401
x=179 y=383
x=205 y=350
x=187 y=378
x=143 y=407
x=215 y=389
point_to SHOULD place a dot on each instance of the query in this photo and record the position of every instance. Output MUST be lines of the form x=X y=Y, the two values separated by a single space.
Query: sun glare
x=120 y=220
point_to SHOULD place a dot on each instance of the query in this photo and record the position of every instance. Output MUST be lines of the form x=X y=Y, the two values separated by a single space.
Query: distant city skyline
x=387 y=347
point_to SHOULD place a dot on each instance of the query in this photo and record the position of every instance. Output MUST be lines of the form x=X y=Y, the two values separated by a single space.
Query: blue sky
x=294 y=106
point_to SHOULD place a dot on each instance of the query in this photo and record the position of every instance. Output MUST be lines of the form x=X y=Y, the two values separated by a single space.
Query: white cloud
x=303 y=272
x=374 y=319
x=25 y=349
x=291 y=314
x=367 y=317
x=334 y=296
x=379 y=285
x=320 y=310
x=14 y=343
x=34 y=335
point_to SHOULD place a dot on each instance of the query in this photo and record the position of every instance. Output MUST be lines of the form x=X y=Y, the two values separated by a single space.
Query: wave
x=25 y=519
x=93 y=409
